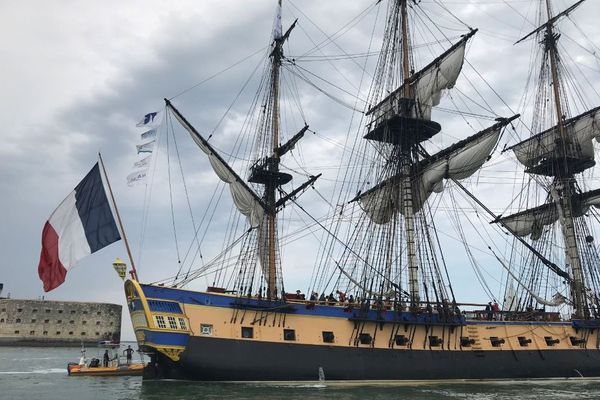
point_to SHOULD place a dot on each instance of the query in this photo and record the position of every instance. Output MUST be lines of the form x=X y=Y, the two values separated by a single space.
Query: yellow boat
x=111 y=365
x=117 y=370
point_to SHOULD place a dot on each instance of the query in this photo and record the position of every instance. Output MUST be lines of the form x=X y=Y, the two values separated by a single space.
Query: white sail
x=246 y=201
x=428 y=84
x=581 y=130
x=459 y=161
x=532 y=221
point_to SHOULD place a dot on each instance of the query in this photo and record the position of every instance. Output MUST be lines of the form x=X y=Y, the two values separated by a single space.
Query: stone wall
x=57 y=323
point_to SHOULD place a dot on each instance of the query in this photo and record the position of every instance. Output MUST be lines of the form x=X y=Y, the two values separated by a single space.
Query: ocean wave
x=36 y=371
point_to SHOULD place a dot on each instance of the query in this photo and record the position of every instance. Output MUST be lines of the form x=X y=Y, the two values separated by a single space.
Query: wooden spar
x=122 y=229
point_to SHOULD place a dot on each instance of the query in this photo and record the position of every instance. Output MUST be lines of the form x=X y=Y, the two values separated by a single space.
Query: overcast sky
x=76 y=77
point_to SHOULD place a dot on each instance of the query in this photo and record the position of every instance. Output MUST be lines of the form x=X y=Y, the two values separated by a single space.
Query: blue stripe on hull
x=166 y=338
x=213 y=300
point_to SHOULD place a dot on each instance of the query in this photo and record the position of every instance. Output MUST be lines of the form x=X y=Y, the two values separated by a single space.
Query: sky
x=77 y=76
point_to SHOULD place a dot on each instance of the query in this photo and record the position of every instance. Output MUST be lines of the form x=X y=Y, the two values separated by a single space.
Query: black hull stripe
x=212 y=359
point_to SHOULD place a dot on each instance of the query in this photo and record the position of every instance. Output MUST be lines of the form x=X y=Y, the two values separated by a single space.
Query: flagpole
x=112 y=197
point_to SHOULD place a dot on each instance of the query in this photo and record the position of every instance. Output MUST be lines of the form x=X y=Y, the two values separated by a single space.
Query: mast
x=406 y=166
x=271 y=186
x=562 y=189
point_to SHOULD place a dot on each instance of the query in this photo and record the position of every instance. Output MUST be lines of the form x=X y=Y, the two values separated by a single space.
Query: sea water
x=41 y=373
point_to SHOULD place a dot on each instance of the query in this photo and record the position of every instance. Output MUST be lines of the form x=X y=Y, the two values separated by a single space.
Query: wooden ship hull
x=217 y=337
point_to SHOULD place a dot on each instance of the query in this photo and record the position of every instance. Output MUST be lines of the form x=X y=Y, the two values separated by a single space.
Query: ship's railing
x=532 y=315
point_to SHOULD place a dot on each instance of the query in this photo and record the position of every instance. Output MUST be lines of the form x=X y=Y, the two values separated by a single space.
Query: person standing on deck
x=128 y=354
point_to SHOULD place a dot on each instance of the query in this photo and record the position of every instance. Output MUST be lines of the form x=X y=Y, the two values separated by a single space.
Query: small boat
x=110 y=365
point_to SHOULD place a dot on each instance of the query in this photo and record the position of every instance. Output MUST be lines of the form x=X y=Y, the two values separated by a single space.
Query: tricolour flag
x=150 y=119
x=151 y=134
x=145 y=148
x=81 y=225
x=137 y=177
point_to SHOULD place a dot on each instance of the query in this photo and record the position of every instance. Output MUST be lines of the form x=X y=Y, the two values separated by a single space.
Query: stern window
x=182 y=323
x=160 y=321
x=172 y=322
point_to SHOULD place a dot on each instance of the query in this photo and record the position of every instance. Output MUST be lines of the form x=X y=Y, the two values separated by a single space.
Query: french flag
x=81 y=225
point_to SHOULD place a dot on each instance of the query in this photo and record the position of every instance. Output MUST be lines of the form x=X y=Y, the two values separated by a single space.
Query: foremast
x=261 y=207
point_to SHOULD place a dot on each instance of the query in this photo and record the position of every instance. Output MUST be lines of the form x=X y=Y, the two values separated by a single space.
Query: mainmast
x=563 y=185
x=406 y=162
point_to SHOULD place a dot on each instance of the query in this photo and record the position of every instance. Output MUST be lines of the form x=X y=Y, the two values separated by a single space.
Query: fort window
x=73 y=311
x=172 y=322
x=82 y=333
x=97 y=333
x=59 y=321
x=401 y=340
x=48 y=311
x=85 y=312
x=289 y=334
x=70 y=333
x=160 y=321
x=71 y=321
x=34 y=310
x=111 y=323
x=19 y=309
x=247 y=332
x=4 y=310
x=99 y=313
x=182 y=323
x=2 y=320
x=33 y=321
x=328 y=337
x=83 y=322
x=58 y=332
x=206 y=329
x=45 y=333
x=18 y=320
x=16 y=332
x=365 y=338
x=46 y=321
x=97 y=322
x=32 y=332
x=59 y=311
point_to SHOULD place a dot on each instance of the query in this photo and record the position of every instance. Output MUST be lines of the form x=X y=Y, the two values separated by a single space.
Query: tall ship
x=380 y=304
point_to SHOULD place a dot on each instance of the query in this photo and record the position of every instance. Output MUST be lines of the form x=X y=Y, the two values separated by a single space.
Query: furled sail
x=458 y=161
x=532 y=221
x=244 y=198
x=580 y=130
x=427 y=85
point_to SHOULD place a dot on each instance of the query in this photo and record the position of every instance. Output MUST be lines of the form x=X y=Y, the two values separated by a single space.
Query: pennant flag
x=151 y=134
x=144 y=162
x=145 y=148
x=150 y=119
x=81 y=225
x=137 y=177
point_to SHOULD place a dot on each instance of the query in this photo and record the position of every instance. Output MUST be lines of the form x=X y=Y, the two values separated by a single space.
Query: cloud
x=77 y=76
